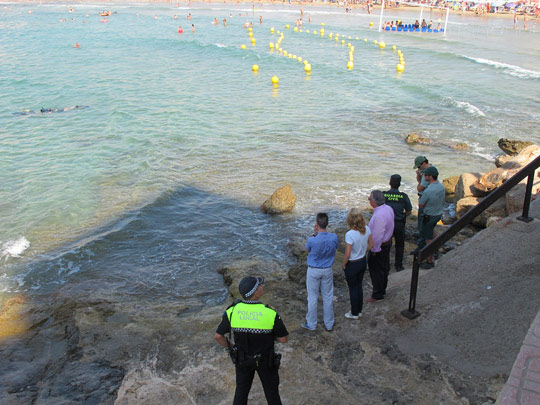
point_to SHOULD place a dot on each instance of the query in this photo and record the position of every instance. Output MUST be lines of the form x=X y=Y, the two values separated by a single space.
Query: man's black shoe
x=399 y=268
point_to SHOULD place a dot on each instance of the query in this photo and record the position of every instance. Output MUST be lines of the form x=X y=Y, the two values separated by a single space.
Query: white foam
x=466 y=106
x=14 y=248
x=507 y=68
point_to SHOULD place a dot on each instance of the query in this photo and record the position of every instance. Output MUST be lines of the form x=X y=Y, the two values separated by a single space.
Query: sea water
x=156 y=180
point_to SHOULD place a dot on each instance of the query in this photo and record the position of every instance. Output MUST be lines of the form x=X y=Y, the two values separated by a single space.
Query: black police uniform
x=254 y=351
x=400 y=203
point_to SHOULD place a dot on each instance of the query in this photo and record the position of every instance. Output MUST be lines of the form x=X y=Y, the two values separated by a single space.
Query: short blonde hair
x=356 y=221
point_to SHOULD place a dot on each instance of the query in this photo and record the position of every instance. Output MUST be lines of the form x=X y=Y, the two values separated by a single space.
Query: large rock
x=492 y=179
x=526 y=156
x=462 y=146
x=464 y=186
x=282 y=200
x=501 y=160
x=450 y=187
x=465 y=204
x=497 y=209
x=511 y=146
x=413 y=138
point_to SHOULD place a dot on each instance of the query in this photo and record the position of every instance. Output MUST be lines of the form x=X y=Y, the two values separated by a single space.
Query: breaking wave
x=507 y=68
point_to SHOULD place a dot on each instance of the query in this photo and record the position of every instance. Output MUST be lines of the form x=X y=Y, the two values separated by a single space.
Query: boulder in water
x=413 y=139
x=511 y=146
x=462 y=146
x=281 y=201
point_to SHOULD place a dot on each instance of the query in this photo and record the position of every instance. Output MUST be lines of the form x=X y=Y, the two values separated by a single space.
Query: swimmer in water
x=188 y=16
x=192 y=27
x=76 y=45
x=51 y=110
x=180 y=29
x=175 y=17
x=215 y=22
x=224 y=22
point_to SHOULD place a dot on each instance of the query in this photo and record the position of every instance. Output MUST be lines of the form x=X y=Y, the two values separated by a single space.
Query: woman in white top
x=358 y=242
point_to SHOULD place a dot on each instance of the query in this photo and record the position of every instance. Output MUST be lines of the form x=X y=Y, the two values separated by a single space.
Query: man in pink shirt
x=382 y=228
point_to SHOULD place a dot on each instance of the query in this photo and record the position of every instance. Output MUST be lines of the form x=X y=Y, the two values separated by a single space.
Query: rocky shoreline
x=77 y=346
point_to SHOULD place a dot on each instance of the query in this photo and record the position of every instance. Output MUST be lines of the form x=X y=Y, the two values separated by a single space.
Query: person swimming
x=51 y=110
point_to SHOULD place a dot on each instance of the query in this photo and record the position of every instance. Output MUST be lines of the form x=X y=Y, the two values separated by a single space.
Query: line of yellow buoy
x=400 y=67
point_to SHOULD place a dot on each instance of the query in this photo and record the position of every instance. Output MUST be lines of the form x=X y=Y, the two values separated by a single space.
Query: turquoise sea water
x=158 y=181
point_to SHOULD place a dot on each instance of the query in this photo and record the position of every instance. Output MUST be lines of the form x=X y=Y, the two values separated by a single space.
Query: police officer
x=401 y=204
x=255 y=328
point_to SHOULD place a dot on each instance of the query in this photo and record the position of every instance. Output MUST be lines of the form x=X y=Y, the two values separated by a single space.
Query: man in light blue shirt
x=432 y=203
x=321 y=248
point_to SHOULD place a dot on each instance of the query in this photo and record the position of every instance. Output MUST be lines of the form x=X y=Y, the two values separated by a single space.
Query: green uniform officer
x=255 y=326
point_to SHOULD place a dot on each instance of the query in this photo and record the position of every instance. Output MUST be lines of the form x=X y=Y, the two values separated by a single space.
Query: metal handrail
x=421 y=254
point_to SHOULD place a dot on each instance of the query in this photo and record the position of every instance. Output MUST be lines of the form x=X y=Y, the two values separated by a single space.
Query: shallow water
x=158 y=181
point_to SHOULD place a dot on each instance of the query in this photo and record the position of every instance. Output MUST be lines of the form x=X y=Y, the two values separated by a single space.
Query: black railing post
x=527 y=202
x=411 y=311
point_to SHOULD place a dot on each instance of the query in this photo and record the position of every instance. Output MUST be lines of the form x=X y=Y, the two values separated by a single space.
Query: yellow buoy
x=275 y=80
x=253 y=41
x=314 y=32
x=393 y=47
x=307 y=31
x=306 y=62
x=285 y=53
x=350 y=64
x=352 y=48
x=255 y=68
x=342 y=42
x=400 y=67
x=371 y=24
x=357 y=38
x=294 y=56
x=287 y=27
x=348 y=44
x=271 y=45
x=280 y=50
x=365 y=39
x=290 y=56
x=349 y=38
x=242 y=46
x=382 y=45
x=250 y=34
x=307 y=68
x=295 y=29
x=322 y=24
x=250 y=29
x=375 y=42
x=299 y=59
x=272 y=30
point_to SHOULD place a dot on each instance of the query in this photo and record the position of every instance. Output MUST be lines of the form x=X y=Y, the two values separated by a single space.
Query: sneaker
x=371 y=299
x=305 y=326
x=427 y=265
x=328 y=330
x=351 y=316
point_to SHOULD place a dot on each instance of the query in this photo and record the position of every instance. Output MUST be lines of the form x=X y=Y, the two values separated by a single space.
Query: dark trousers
x=269 y=377
x=399 y=236
x=354 y=274
x=379 y=267
x=421 y=240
